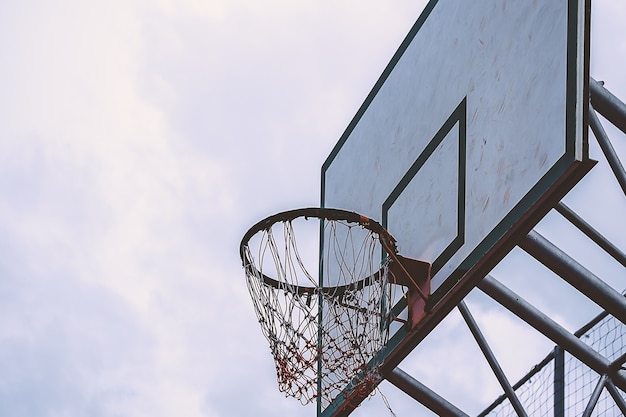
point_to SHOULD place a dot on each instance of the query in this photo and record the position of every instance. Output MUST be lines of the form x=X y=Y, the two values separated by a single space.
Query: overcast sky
x=138 y=142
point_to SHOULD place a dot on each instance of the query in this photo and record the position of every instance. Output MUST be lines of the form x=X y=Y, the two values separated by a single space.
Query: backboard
x=477 y=125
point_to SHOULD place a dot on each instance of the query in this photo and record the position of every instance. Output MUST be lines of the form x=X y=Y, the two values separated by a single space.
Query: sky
x=138 y=142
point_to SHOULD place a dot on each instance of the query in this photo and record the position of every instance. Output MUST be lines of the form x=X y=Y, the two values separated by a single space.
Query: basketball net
x=324 y=334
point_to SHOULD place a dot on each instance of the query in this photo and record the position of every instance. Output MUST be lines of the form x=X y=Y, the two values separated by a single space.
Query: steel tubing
x=617 y=397
x=591 y=233
x=491 y=359
x=423 y=394
x=550 y=329
x=575 y=274
x=595 y=396
x=609 y=106
x=607 y=148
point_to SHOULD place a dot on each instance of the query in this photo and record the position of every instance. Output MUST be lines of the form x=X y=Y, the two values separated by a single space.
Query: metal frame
x=493 y=362
x=423 y=394
x=612 y=376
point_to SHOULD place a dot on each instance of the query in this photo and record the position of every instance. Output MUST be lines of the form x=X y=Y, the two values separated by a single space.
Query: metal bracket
x=415 y=275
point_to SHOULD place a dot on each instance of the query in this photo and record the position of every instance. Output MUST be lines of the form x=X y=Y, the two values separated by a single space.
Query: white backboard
x=479 y=116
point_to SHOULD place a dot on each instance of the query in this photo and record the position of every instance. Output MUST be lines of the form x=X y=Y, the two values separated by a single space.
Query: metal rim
x=385 y=238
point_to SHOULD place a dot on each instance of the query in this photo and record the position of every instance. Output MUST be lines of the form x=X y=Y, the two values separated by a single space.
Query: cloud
x=66 y=346
x=138 y=142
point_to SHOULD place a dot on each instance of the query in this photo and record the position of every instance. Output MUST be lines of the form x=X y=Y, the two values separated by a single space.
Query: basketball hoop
x=325 y=332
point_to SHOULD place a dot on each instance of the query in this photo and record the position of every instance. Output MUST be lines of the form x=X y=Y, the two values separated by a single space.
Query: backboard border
x=458 y=116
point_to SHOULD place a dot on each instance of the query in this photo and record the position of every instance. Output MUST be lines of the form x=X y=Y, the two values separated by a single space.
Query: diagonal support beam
x=609 y=106
x=491 y=359
x=550 y=329
x=617 y=397
x=591 y=233
x=607 y=148
x=423 y=394
x=575 y=274
x=595 y=396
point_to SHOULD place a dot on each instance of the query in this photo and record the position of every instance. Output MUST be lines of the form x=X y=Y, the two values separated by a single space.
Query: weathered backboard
x=475 y=128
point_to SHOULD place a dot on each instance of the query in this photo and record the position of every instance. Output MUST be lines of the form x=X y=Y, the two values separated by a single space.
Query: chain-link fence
x=561 y=385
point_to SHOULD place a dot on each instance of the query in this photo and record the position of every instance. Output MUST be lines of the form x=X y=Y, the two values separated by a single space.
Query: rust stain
x=501 y=106
x=473 y=118
x=501 y=167
x=507 y=195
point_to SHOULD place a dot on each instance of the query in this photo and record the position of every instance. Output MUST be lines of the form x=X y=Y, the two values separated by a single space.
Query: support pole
x=617 y=397
x=559 y=382
x=595 y=396
x=491 y=359
x=423 y=394
x=607 y=148
x=591 y=233
x=550 y=329
x=575 y=274
x=609 y=106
